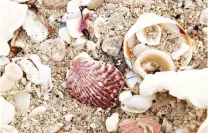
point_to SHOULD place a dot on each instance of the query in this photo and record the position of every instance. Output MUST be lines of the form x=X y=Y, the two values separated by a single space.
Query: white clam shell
x=112 y=122
x=176 y=83
x=142 y=37
x=31 y=71
x=34 y=27
x=64 y=34
x=136 y=104
x=124 y=95
x=8 y=129
x=132 y=79
x=7 y=112
x=138 y=49
x=38 y=111
x=157 y=56
x=10 y=23
x=22 y=101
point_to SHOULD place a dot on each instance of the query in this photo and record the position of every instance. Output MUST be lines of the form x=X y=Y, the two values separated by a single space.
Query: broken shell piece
x=112 y=122
x=80 y=42
x=96 y=27
x=64 y=34
x=204 y=127
x=136 y=104
x=35 y=29
x=91 y=46
x=69 y=117
x=7 y=112
x=142 y=36
x=94 y=4
x=148 y=20
x=159 y=57
x=132 y=79
x=4 y=60
x=31 y=71
x=10 y=23
x=176 y=83
x=38 y=111
x=95 y=83
x=138 y=49
x=204 y=17
x=124 y=95
x=8 y=129
x=12 y=74
x=55 y=128
x=55 y=48
x=22 y=101
x=87 y=14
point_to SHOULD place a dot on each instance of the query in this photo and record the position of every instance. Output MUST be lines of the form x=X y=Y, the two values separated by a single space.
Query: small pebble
x=177 y=16
x=69 y=117
x=23 y=81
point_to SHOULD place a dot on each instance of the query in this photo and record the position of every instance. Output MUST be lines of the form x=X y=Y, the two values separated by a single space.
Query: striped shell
x=95 y=83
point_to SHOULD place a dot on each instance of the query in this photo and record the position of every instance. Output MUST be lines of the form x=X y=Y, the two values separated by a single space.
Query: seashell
x=4 y=60
x=69 y=117
x=194 y=92
x=160 y=58
x=142 y=37
x=35 y=29
x=95 y=4
x=31 y=71
x=38 y=111
x=136 y=104
x=138 y=49
x=125 y=95
x=114 y=1
x=204 y=17
x=74 y=25
x=205 y=31
x=112 y=122
x=12 y=22
x=64 y=34
x=55 y=128
x=12 y=74
x=7 y=113
x=22 y=101
x=147 y=20
x=204 y=127
x=91 y=46
x=87 y=14
x=80 y=42
x=8 y=129
x=96 y=27
x=145 y=125
x=93 y=82
x=132 y=79
x=55 y=48
x=55 y=4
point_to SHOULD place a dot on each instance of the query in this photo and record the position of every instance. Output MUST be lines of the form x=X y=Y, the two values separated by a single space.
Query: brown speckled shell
x=95 y=83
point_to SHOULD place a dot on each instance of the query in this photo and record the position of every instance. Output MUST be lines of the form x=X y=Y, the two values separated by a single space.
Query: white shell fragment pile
x=10 y=23
x=190 y=85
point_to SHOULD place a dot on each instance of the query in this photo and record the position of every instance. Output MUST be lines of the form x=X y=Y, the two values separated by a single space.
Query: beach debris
x=55 y=4
x=93 y=82
x=20 y=1
x=54 y=48
x=145 y=3
x=161 y=59
x=7 y=112
x=146 y=125
x=112 y=46
x=35 y=29
x=55 y=128
x=22 y=101
x=8 y=129
x=204 y=127
x=112 y=122
x=69 y=117
x=140 y=48
x=136 y=104
x=99 y=21
x=32 y=73
x=204 y=17
x=38 y=111
x=95 y=4
x=11 y=22
x=124 y=95
x=162 y=102
x=64 y=34
x=114 y=1
x=12 y=74
x=91 y=46
x=4 y=60
x=136 y=33
x=132 y=79
x=175 y=82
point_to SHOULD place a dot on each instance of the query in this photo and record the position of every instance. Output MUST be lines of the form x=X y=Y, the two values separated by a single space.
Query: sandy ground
x=177 y=113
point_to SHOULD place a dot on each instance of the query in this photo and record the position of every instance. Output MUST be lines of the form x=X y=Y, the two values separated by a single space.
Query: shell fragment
x=112 y=122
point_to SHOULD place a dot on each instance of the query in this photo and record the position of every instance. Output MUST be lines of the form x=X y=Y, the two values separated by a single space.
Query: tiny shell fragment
x=112 y=122
x=55 y=4
x=124 y=95
x=8 y=129
x=93 y=82
x=132 y=79
x=22 y=101
x=38 y=111
x=204 y=17
x=34 y=27
x=64 y=34
x=95 y=4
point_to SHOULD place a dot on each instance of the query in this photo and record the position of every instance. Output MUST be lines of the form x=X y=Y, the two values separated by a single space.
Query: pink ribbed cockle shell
x=95 y=83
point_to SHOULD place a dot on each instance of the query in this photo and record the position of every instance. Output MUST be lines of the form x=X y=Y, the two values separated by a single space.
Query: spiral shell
x=95 y=83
